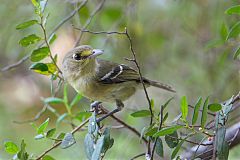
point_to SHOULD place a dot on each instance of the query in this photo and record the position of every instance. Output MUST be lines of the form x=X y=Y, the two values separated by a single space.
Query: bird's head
x=81 y=59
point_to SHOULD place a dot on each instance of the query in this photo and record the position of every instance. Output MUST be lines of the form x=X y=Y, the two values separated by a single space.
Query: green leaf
x=98 y=150
x=67 y=141
x=44 y=68
x=214 y=107
x=233 y=10
x=47 y=157
x=52 y=38
x=51 y=132
x=184 y=107
x=60 y=136
x=165 y=117
x=53 y=100
x=234 y=31
x=30 y=39
x=89 y=145
x=43 y=127
x=39 y=54
x=26 y=24
x=108 y=142
x=36 y=5
x=22 y=154
x=76 y=99
x=166 y=131
x=159 y=147
x=11 y=147
x=204 y=113
x=152 y=104
x=151 y=131
x=39 y=67
x=141 y=113
x=224 y=31
x=172 y=139
x=175 y=151
x=166 y=104
x=196 y=110
x=236 y=53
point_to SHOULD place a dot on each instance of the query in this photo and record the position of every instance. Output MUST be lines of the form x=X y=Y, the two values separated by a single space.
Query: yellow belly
x=105 y=92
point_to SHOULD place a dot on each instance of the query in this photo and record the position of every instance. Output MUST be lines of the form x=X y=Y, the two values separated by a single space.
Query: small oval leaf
x=43 y=127
x=214 y=107
x=39 y=67
x=30 y=39
x=11 y=147
x=26 y=24
x=159 y=147
x=51 y=132
x=39 y=54
x=184 y=107
x=141 y=113
x=47 y=157
x=172 y=139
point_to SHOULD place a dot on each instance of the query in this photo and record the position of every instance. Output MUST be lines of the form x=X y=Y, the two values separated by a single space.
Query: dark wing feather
x=112 y=72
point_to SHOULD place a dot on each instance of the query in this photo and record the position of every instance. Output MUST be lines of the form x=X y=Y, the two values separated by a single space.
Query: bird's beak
x=96 y=52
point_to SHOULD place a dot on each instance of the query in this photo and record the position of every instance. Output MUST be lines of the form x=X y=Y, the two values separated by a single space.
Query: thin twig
x=137 y=156
x=25 y=58
x=124 y=124
x=98 y=8
x=144 y=87
x=58 y=143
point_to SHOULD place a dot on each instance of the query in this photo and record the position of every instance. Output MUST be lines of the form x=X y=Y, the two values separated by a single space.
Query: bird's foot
x=120 y=106
x=95 y=106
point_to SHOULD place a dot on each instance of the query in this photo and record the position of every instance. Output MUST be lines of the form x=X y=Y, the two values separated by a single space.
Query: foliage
x=97 y=141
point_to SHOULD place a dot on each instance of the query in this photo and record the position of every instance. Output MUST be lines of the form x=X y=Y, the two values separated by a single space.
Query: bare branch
x=98 y=8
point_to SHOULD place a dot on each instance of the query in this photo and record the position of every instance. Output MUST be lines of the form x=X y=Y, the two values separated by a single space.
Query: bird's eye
x=76 y=57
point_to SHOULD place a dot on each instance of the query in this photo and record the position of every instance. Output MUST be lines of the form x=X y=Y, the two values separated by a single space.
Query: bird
x=102 y=80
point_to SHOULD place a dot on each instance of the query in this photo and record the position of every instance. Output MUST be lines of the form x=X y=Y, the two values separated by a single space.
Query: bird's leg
x=120 y=106
x=95 y=106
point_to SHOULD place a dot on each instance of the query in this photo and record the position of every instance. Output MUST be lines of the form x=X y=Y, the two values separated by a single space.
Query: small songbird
x=101 y=80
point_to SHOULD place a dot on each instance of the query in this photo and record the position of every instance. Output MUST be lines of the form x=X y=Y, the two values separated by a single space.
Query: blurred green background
x=175 y=42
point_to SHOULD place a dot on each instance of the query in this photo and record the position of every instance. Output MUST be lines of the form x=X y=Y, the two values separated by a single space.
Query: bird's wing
x=112 y=72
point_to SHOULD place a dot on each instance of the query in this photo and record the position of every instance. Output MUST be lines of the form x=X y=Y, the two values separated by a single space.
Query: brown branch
x=25 y=58
x=137 y=156
x=98 y=8
x=124 y=124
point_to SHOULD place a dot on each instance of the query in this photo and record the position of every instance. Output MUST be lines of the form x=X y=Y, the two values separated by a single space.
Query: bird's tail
x=159 y=85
